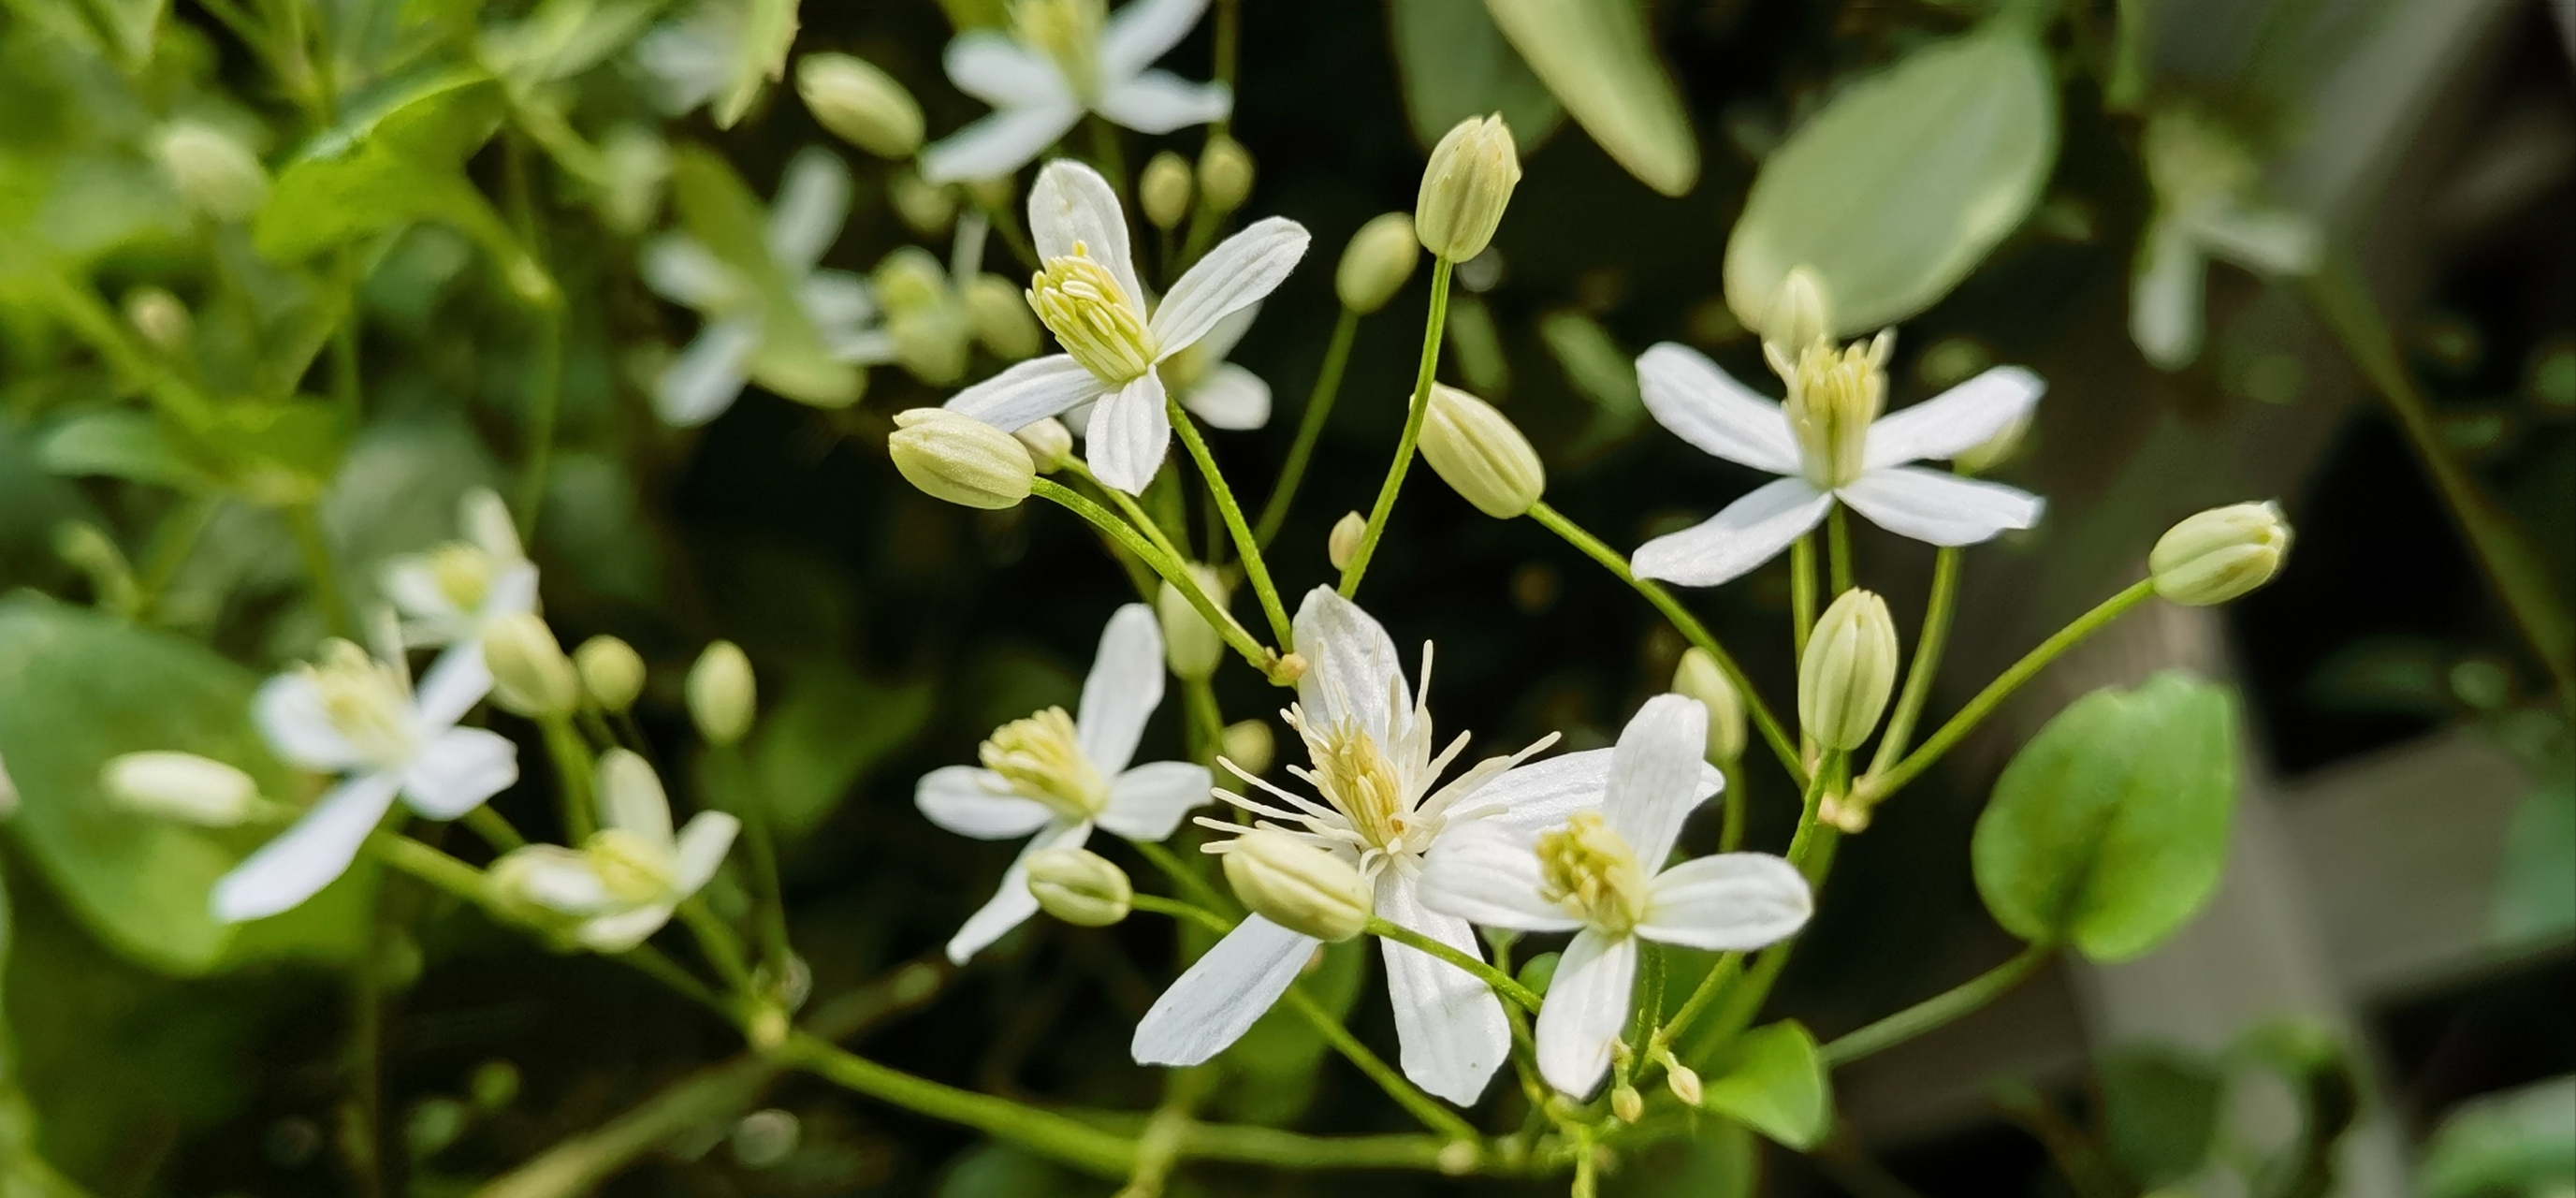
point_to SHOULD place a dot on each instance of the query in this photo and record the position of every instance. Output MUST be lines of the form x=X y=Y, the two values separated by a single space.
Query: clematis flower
x=1833 y=445
x=1054 y=777
x=1595 y=875
x=1115 y=355
x=2204 y=184
x=624 y=882
x=352 y=715
x=722 y=53
x=1061 y=59
x=1381 y=806
x=450 y=594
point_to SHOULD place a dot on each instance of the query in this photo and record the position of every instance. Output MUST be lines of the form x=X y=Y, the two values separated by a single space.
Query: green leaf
x=768 y=29
x=723 y=214
x=827 y=729
x=2160 y=1109
x=2109 y=829
x=120 y=443
x=278 y=453
x=1773 y=1080
x=1715 y=1162
x=1902 y=183
x=2521 y=1142
x=1599 y=59
x=2535 y=889
x=1456 y=65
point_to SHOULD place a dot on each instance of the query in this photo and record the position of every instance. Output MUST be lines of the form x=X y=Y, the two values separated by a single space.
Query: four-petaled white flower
x=2205 y=208
x=1382 y=808
x=1595 y=875
x=352 y=715
x=1832 y=444
x=450 y=594
x=1058 y=776
x=1061 y=59
x=1114 y=353
x=624 y=882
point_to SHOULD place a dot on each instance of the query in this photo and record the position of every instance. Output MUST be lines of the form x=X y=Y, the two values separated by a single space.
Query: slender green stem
x=305 y=525
x=728 y=766
x=1127 y=505
x=1176 y=909
x=1731 y=801
x=1802 y=592
x=1229 y=20
x=86 y=315
x=1171 y=571
x=494 y=830
x=430 y=865
x=1191 y=881
x=1940 y=1009
x=1007 y=223
x=1710 y=985
x=1310 y=427
x=717 y=940
x=1105 y=153
x=1240 y=1144
x=1503 y=984
x=545 y=401
x=1439 y=1119
x=1926 y=663
x=650 y=960
x=573 y=769
x=1254 y=569
x=1838 y=548
x=1206 y=720
x=1432 y=328
x=1045 y=1132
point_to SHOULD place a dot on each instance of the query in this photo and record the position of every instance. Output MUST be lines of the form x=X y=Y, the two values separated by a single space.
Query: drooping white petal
x=999 y=144
x=1012 y=903
x=978 y=803
x=1147 y=802
x=1071 y=203
x=1942 y=509
x=1229 y=397
x=559 y=879
x=2165 y=295
x=1700 y=403
x=1955 y=421
x=307 y=857
x=513 y=590
x=1729 y=902
x=1129 y=431
x=1160 y=102
x=703 y=842
x=1235 y=275
x=634 y=801
x=289 y=712
x=1448 y=1026
x=457 y=771
x=1351 y=669
x=1143 y=31
x=1587 y=1005
x=1222 y=994
x=1028 y=392
x=1655 y=776
x=704 y=380
x=683 y=271
x=813 y=200
x=1124 y=687
x=454 y=684
x=2274 y=240
x=998 y=70
x=1542 y=794
x=616 y=933
x=1487 y=875
x=1746 y=533
x=836 y=300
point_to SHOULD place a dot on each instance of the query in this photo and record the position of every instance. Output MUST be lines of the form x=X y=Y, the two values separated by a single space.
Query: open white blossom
x=1115 y=354
x=2205 y=208
x=1595 y=875
x=721 y=53
x=624 y=882
x=450 y=594
x=1054 y=777
x=1382 y=807
x=1832 y=444
x=352 y=715
x=1063 y=58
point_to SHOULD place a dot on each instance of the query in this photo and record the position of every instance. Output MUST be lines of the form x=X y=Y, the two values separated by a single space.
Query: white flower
x=1594 y=875
x=702 y=382
x=352 y=715
x=1115 y=354
x=1832 y=444
x=450 y=594
x=627 y=878
x=2202 y=183
x=720 y=54
x=1058 y=776
x=1061 y=59
x=1382 y=808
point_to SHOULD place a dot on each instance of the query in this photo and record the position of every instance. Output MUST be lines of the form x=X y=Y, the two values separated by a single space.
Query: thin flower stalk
x=1433 y=326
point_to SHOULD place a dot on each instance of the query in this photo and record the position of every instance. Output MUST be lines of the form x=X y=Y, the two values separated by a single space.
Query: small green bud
x=1080 y=887
x=180 y=786
x=1191 y=645
x=612 y=672
x=2219 y=554
x=861 y=103
x=1849 y=670
x=1250 y=745
x=213 y=171
x=1225 y=174
x=1049 y=443
x=1164 y=190
x=722 y=694
x=161 y=318
x=1001 y=318
x=960 y=459
x=994 y=194
x=1466 y=188
x=530 y=674
x=1479 y=453
x=1801 y=314
x=1297 y=885
x=930 y=343
x=1699 y=678
x=1376 y=263
x=635 y=165
x=1344 y=543
x=1684 y=1082
x=909 y=280
x=926 y=208
x=1627 y=1104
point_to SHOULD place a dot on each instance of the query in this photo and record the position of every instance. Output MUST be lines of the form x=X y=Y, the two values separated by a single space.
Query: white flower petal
x=1229 y=397
x=1748 y=532
x=998 y=145
x=1147 y=802
x=289 y=712
x=1233 y=276
x=1702 y=404
x=703 y=843
x=1217 y=344
x=624 y=930
x=513 y=590
x=813 y=200
x=1942 y=509
x=1160 y=102
x=634 y=801
x=412 y=584
x=1001 y=72
x=1129 y=432
x=1587 y=1006
x=1222 y=994
x=558 y=879
x=1448 y=1026
x=309 y=856
x=836 y=300
x=2164 y=296
x=455 y=683
x=1028 y=392
x=1542 y=794
x=1730 y=902
x=1144 y=31
x=1490 y=876
x=685 y=272
x=1123 y=689
x=1012 y=903
x=1955 y=421
x=2273 y=240
x=978 y=803
x=704 y=380
x=457 y=771
x=1351 y=669
x=1071 y=204
x=1655 y=776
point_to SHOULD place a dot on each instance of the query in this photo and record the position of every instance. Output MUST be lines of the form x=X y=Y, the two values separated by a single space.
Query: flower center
x=1081 y=303
x=1067 y=31
x=366 y=702
x=463 y=574
x=1042 y=759
x=2191 y=163
x=632 y=868
x=1589 y=870
x=1833 y=397
x=1358 y=780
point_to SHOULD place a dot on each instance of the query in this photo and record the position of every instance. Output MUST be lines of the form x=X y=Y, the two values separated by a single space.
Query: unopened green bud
x=1297 y=885
x=1698 y=677
x=1225 y=174
x=931 y=342
x=161 y=318
x=1684 y=1082
x=180 y=786
x=2219 y=554
x=1995 y=450
x=1627 y=1104
x=1479 y=453
x=722 y=694
x=1801 y=314
x=994 y=194
x=1466 y=188
x=530 y=674
x=960 y=459
x=909 y=280
x=1164 y=189
x=1049 y=443
x=1190 y=644
x=926 y=208
x=213 y=171
x=1849 y=670
x=612 y=672
x=1001 y=318
x=1376 y=263
x=1250 y=745
x=1080 y=887
x=1344 y=543
x=635 y=165
x=862 y=104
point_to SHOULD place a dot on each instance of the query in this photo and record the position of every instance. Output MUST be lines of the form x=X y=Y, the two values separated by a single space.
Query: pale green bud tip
x=1225 y=173
x=161 y=318
x=862 y=104
x=530 y=674
x=1466 y=188
x=1001 y=317
x=961 y=459
x=1479 y=453
x=1849 y=670
x=612 y=672
x=1165 y=190
x=926 y=208
x=1080 y=887
x=1377 y=262
x=1297 y=885
x=180 y=786
x=1344 y=543
x=1699 y=678
x=1049 y=444
x=1684 y=1081
x=722 y=695
x=1250 y=745
x=1801 y=313
x=2220 y=554
x=1190 y=644
x=1627 y=1104
x=213 y=171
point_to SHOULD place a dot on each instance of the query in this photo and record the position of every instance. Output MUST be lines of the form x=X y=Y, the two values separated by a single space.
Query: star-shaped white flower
x=352 y=715
x=624 y=882
x=1115 y=354
x=1595 y=875
x=1061 y=59
x=450 y=594
x=1053 y=777
x=2205 y=208
x=1832 y=444
x=1381 y=807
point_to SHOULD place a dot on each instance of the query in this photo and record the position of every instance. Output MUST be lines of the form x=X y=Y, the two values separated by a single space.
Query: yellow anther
x=1834 y=395
x=1042 y=758
x=366 y=702
x=1589 y=870
x=1096 y=321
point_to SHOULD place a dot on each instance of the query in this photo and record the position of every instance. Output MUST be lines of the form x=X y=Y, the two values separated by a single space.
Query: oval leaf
x=1456 y=65
x=1597 y=57
x=1772 y=1079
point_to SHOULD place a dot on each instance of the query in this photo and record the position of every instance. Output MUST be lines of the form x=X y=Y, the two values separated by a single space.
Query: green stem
x=305 y=525
x=1127 y=506
x=1105 y=152
x=1439 y=1119
x=1838 y=548
x=723 y=949
x=1802 y=592
x=1310 y=427
x=1927 y=662
x=573 y=769
x=1189 y=880
x=1206 y=720
x=1045 y=1132
x=727 y=764
x=1710 y=985
x=1940 y=1009
x=1254 y=569
x=545 y=402
x=1007 y=223
x=1731 y=801
x=494 y=830
x=1176 y=909
x=1432 y=328
x=1172 y=572
x=1503 y=984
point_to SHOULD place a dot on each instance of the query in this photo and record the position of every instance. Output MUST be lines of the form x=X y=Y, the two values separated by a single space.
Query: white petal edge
x=1449 y=1027
x=1542 y=794
x=703 y=843
x=1011 y=904
x=1942 y=509
x=998 y=70
x=1147 y=802
x=308 y=856
x=1746 y=533
x=1229 y=397
x=978 y=803
x=1732 y=902
x=624 y=930
x=1028 y=392
x=1143 y=31
x=455 y=773
x=2165 y=296
x=1352 y=672
x=2272 y=240
x=454 y=684
x=813 y=201
x=999 y=144
x=1071 y=204
x=1123 y=689
x=1160 y=102
x=1491 y=877
x=1222 y=995
x=1587 y=1004
x=1655 y=775
x=684 y=271
x=1955 y=421
x=707 y=376
x=289 y=712
x=1699 y=402
x=1238 y=273
x=1129 y=432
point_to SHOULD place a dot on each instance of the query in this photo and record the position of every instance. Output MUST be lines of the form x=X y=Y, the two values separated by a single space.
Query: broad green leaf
x=280 y=453
x=1902 y=183
x=2109 y=829
x=2521 y=1142
x=2535 y=890
x=121 y=443
x=1456 y=65
x=822 y=736
x=1720 y=1161
x=1773 y=1080
x=721 y=212
x=2160 y=1109
x=1599 y=59
x=1271 y=1072
x=1477 y=348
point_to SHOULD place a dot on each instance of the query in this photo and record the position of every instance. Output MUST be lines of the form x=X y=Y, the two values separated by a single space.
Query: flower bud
x=1995 y=450
x=2220 y=554
x=612 y=672
x=930 y=343
x=1800 y=314
x=861 y=103
x=1001 y=318
x=1849 y=670
x=634 y=166
x=1466 y=188
x=1190 y=644
x=1698 y=677
x=161 y=318
x=1376 y=263
x=215 y=173
x=1297 y=885
x=180 y=786
x=1250 y=745
x=1345 y=540
x=926 y=208
x=1225 y=174
x=1079 y=887
x=1049 y=443
x=1627 y=1104
x=960 y=459
x=909 y=280
x=1164 y=190
x=994 y=194
x=1478 y=452
x=1684 y=1082
x=722 y=695
x=530 y=674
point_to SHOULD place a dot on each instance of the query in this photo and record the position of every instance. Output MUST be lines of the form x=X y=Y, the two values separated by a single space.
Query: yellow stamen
x=1833 y=397
x=366 y=702
x=1359 y=781
x=1042 y=758
x=1589 y=870
x=1080 y=302
x=463 y=574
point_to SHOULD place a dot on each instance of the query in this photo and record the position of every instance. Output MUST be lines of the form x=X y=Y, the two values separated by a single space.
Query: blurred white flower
x=2204 y=185
x=719 y=55
x=624 y=882
x=1061 y=59
x=449 y=595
